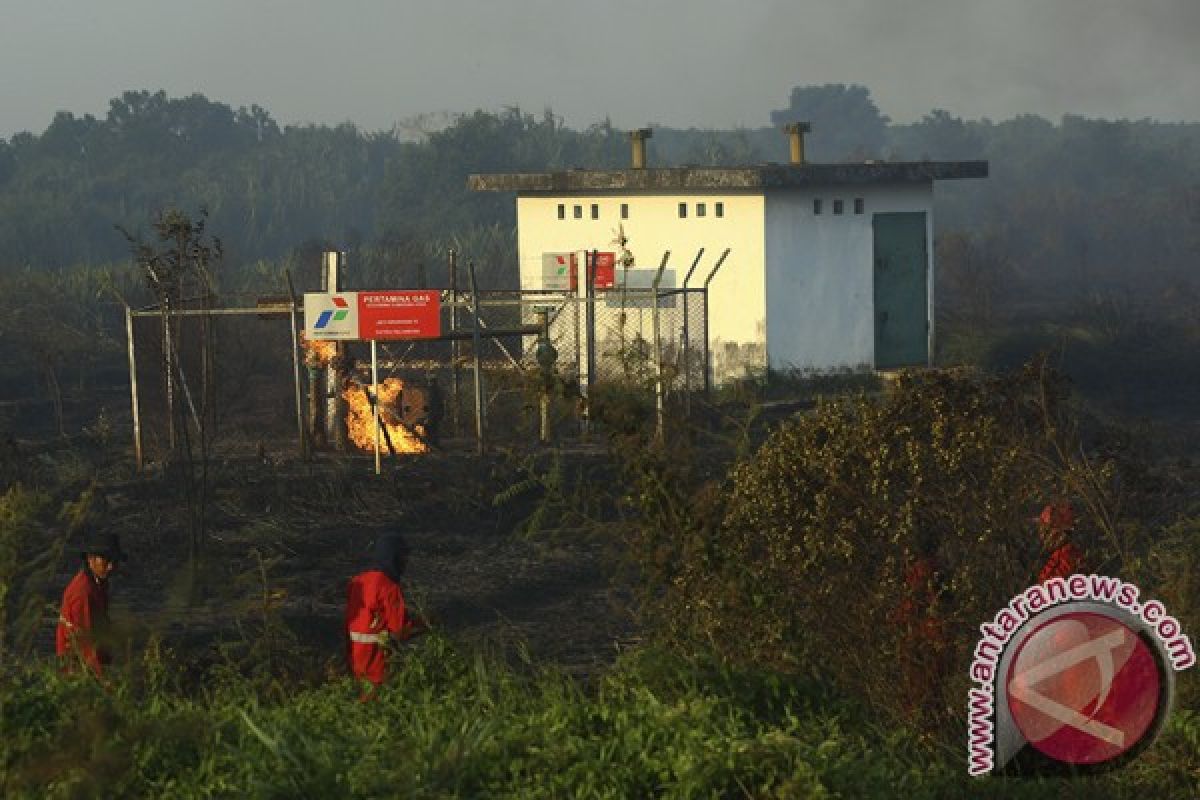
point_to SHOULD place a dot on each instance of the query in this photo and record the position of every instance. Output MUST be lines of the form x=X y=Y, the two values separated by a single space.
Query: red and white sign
x=1083 y=688
x=407 y=314
x=558 y=271
x=362 y=316
x=331 y=316
x=604 y=270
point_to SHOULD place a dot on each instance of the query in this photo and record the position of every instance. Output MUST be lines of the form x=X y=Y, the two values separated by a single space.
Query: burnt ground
x=284 y=538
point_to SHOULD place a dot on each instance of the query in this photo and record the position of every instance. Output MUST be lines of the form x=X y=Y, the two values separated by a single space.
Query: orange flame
x=317 y=352
x=360 y=420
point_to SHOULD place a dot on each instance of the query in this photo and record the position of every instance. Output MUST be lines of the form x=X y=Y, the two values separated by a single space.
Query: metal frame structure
x=475 y=303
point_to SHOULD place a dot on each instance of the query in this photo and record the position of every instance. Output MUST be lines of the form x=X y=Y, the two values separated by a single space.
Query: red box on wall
x=604 y=268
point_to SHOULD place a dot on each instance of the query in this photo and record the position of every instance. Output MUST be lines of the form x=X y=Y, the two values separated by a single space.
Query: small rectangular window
x=858 y=205
x=578 y=210
x=816 y=205
x=838 y=206
x=562 y=211
x=595 y=211
x=683 y=210
x=701 y=209
x=719 y=209
x=624 y=210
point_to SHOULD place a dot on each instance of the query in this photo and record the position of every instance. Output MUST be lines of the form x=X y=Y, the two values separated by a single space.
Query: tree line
x=1088 y=223
x=1069 y=206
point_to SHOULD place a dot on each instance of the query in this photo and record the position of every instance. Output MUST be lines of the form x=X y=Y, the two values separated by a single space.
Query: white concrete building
x=830 y=265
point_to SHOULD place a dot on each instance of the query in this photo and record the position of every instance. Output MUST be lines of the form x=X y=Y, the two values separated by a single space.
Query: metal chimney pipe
x=795 y=132
x=638 y=139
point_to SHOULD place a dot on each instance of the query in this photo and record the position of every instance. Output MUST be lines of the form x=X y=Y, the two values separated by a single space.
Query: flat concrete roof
x=765 y=176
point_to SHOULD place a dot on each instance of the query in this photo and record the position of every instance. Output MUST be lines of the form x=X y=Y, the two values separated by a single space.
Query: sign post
x=372 y=316
x=375 y=398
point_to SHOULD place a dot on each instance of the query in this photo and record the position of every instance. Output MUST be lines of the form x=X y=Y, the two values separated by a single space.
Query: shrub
x=21 y=512
x=870 y=538
x=1173 y=570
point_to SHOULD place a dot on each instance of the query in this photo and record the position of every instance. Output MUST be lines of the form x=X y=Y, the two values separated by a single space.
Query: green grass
x=450 y=725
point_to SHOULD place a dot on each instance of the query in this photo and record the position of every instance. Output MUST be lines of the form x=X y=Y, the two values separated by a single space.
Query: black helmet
x=107 y=545
x=391 y=554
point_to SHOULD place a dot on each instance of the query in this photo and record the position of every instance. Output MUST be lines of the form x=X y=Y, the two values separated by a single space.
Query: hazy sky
x=704 y=63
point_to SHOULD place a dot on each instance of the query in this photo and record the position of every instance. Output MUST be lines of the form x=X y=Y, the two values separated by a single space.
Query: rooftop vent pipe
x=638 y=139
x=795 y=132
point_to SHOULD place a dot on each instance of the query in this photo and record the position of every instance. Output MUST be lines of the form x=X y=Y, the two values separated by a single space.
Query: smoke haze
x=704 y=63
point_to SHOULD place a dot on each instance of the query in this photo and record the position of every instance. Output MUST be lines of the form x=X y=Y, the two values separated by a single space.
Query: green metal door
x=901 y=296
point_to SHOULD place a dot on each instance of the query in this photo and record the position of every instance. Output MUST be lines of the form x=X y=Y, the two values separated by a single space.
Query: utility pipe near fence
x=546 y=356
x=707 y=346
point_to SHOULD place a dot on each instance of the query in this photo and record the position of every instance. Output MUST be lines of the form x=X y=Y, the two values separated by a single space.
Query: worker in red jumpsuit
x=921 y=647
x=83 y=619
x=376 y=611
x=1056 y=524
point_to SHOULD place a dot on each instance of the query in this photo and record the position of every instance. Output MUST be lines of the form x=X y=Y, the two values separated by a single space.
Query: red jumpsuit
x=1064 y=562
x=84 y=610
x=921 y=646
x=374 y=610
x=1055 y=523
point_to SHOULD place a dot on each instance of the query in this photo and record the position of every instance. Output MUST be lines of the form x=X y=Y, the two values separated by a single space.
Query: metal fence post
x=169 y=370
x=133 y=390
x=480 y=442
x=454 y=345
x=659 y=389
x=580 y=361
x=687 y=342
x=303 y=440
x=707 y=346
x=589 y=271
x=375 y=399
x=585 y=294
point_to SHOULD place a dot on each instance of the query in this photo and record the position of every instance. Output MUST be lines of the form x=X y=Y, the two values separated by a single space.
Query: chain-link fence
x=636 y=330
x=237 y=373
x=231 y=374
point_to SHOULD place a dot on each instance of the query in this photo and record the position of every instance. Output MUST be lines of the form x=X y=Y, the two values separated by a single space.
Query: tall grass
x=456 y=725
